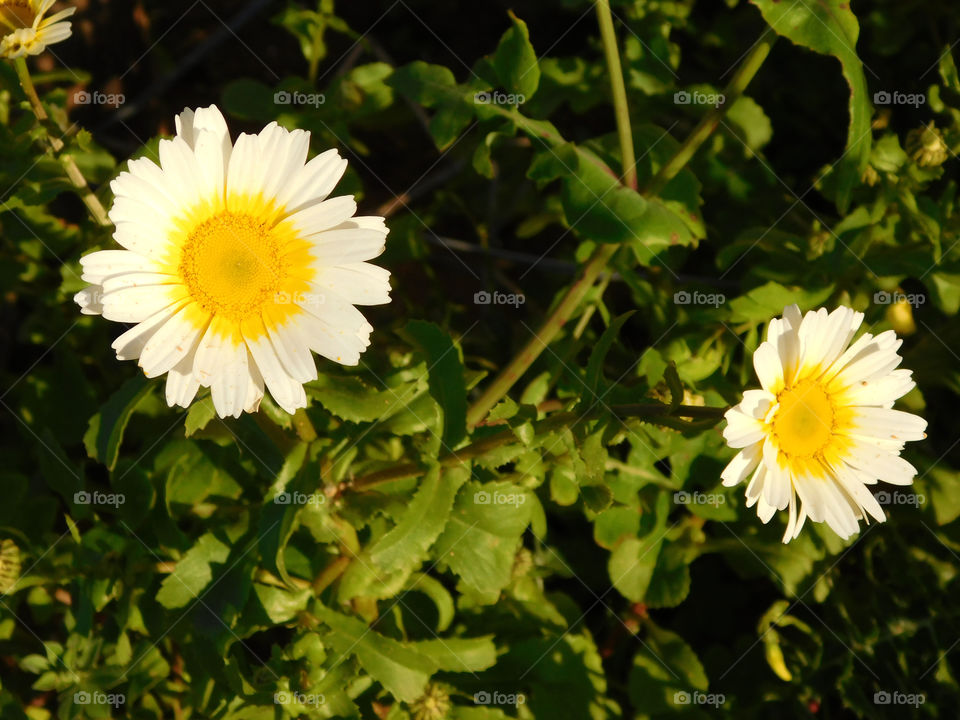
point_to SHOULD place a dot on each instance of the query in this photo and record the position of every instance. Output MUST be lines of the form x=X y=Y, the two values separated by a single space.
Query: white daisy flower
x=236 y=265
x=28 y=31
x=823 y=427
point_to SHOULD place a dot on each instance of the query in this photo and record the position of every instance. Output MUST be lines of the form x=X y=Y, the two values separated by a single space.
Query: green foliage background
x=582 y=585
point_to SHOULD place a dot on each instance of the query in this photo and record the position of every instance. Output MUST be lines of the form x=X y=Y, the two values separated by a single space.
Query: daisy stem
x=602 y=256
x=56 y=144
x=649 y=411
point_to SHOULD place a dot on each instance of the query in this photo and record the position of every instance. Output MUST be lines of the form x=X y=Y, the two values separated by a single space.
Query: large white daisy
x=26 y=29
x=823 y=427
x=236 y=265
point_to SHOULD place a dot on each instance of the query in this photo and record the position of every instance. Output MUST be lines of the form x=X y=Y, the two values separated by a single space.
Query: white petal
x=742 y=430
x=743 y=463
x=130 y=344
x=356 y=283
x=229 y=386
x=313 y=182
x=102 y=264
x=173 y=342
x=285 y=390
x=324 y=215
x=136 y=304
x=766 y=362
x=90 y=300
x=182 y=384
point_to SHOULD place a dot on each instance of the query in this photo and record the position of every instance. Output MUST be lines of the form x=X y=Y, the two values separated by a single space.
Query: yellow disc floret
x=232 y=265
x=804 y=421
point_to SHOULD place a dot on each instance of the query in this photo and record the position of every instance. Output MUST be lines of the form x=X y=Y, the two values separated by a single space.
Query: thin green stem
x=597 y=263
x=619 y=91
x=648 y=411
x=70 y=167
x=737 y=85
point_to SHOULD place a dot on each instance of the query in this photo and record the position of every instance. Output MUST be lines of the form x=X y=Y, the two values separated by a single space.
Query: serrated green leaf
x=829 y=27
x=193 y=572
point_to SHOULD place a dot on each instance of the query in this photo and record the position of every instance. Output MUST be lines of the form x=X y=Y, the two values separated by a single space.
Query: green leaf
x=353 y=399
x=105 y=431
x=632 y=563
x=516 y=61
x=446 y=377
x=664 y=670
x=460 y=654
x=768 y=301
x=598 y=207
x=199 y=415
x=422 y=522
x=193 y=573
x=483 y=534
x=600 y=350
x=404 y=672
x=829 y=27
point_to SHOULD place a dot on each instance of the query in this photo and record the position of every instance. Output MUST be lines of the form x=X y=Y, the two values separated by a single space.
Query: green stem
x=735 y=88
x=619 y=91
x=70 y=167
x=650 y=411
x=597 y=263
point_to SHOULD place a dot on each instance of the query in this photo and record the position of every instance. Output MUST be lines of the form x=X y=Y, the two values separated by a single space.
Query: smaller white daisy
x=823 y=426
x=30 y=32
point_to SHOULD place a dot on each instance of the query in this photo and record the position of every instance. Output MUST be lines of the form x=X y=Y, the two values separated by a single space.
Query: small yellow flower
x=29 y=32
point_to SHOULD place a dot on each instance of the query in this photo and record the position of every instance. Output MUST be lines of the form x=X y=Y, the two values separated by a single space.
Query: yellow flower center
x=17 y=14
x=232 y=265
x=804 y=421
